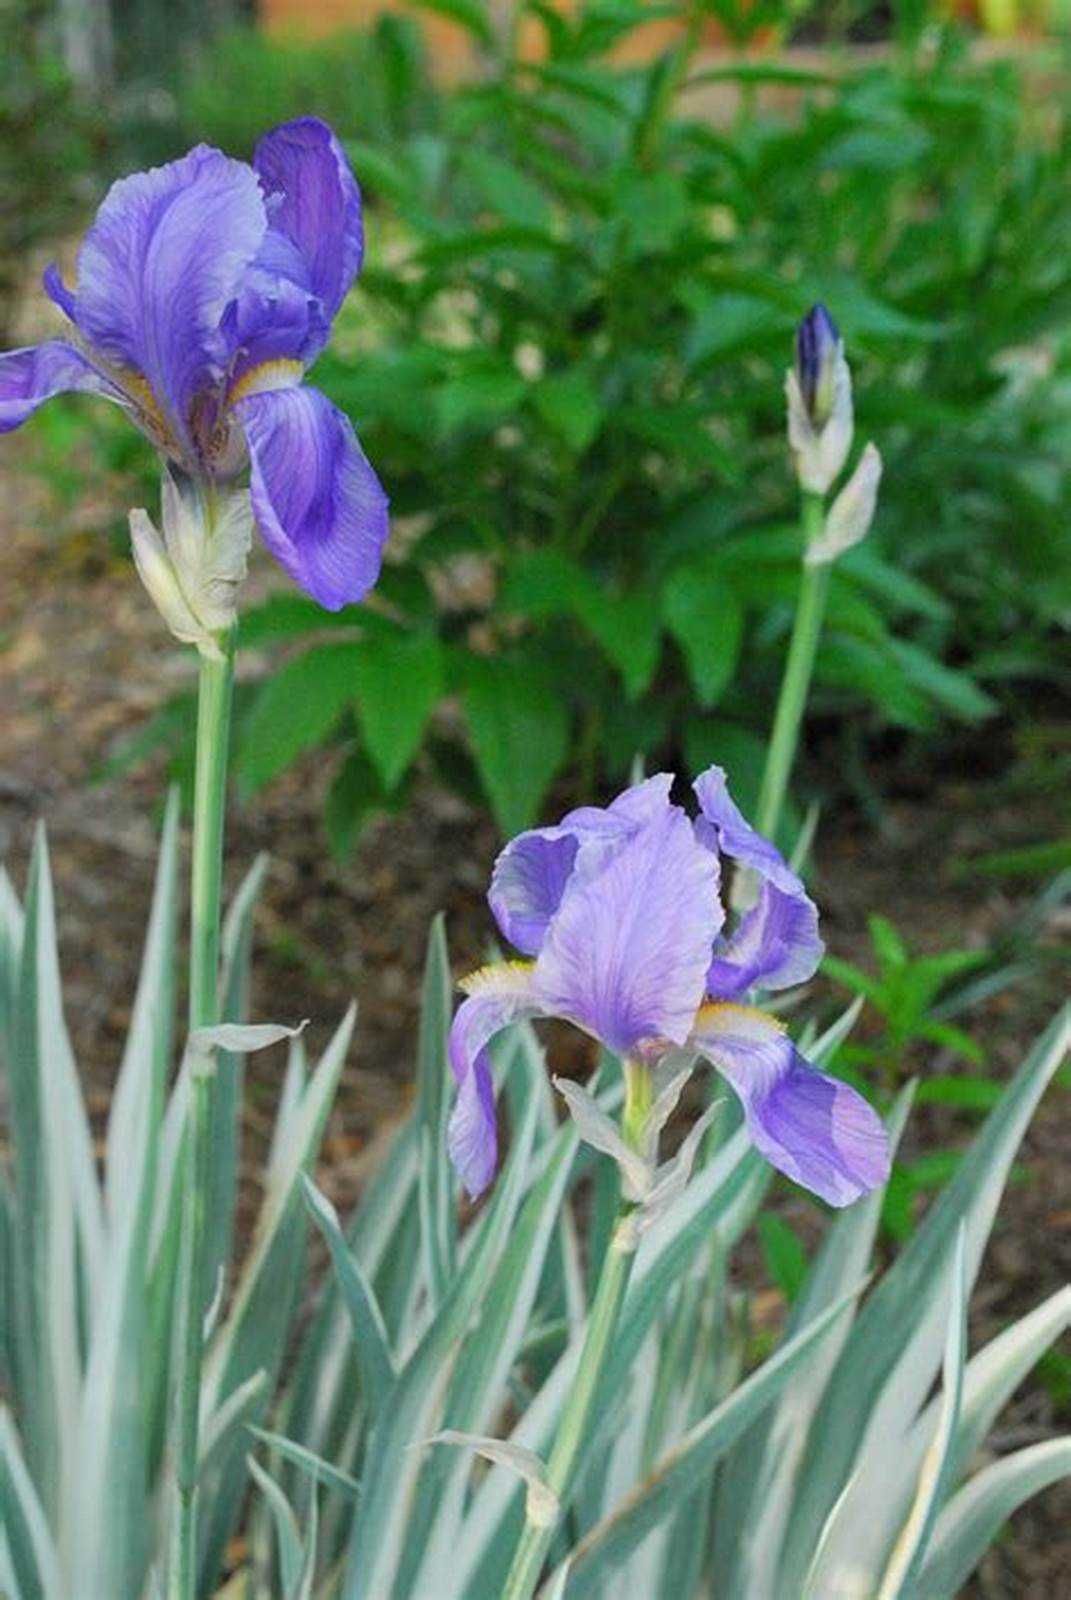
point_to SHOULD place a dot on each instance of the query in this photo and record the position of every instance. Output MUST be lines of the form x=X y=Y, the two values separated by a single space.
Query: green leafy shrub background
x=566 y=357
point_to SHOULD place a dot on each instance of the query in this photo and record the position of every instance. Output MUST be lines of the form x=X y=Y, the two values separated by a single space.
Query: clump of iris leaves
x=815 y=1461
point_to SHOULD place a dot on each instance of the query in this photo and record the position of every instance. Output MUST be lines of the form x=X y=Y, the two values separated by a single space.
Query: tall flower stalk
x=799 y=669
x=580 y=1406
x=213 y=729
x=820 y=428
x=205 y=290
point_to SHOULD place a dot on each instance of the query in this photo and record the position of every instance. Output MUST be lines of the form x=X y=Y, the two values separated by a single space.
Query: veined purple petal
x=163 y=259
x=30 y=376
x=626 y=954
x=275 y=315
x=532 y=872
x=314 y=201
x=639 y=803
x=57 y=290
x=811 y=1126
x=776 y=944
x=320 y=507
x=817 y=341
x=722 y=825
x=496 y=997
x=528 y=882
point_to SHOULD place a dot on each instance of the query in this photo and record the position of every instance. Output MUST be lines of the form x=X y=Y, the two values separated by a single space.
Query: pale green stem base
x=578 y=1417
x=792 y=700
x=213 y=729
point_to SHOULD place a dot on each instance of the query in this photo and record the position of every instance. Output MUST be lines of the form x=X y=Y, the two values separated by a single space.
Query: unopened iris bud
x=819 y=393
x=194 y=570
x=818 y=343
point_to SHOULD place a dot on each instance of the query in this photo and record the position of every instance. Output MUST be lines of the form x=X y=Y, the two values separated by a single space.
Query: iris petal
x=33 y=375
x=626 y=954
x=314 y=202
x=162 y=261
x=811 y=1126
x=497 y=996
x=533 y=871
x=776 y=944
x=318 y=504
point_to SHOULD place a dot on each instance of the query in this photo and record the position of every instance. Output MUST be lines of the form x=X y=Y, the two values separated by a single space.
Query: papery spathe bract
x=194 y=571
x=621 y=910
x=205 y=289
x=849 y=517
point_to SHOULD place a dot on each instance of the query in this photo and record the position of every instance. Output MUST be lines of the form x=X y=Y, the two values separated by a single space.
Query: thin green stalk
x=578 y=1415
x=796 y=683
x=213 y=728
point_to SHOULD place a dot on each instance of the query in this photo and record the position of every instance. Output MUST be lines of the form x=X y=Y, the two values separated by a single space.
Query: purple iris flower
x=205 y=289
x=620 y=916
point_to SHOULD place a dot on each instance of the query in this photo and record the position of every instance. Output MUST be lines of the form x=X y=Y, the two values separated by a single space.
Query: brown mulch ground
x=83 y=659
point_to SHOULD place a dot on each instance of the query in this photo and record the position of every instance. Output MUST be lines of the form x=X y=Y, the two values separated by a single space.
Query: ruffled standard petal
x=314 y=202
x=533 y=871
x=30 y=376
x=496 y=996
x=626 y=955
x=274 y=317
x=776 y=944
x=162 y=261
x=812 y=1127
x=318 y=504
x=528 y=882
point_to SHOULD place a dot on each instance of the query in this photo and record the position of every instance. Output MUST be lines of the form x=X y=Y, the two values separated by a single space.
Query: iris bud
x=818 y=344
x=819 y=394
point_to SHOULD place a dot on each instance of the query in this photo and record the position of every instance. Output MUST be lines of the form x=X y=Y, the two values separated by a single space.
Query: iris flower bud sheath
x=194 y=571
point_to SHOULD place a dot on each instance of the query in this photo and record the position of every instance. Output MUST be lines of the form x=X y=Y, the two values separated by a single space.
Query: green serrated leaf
x=626 y=625
x=355 y=796
x=783 y=1253
x=397 y=683
x=468 y=14
x=520 y=731
x=295 y=709
x=569 y=403
x=703 y=613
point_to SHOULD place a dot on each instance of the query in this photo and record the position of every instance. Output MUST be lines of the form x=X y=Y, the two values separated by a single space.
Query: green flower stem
x=577 y=1417
x=796 y=683
x=213 y=728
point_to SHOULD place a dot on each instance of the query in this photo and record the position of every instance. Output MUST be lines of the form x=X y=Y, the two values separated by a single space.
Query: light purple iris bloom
x=205 y=289
x=620 y=915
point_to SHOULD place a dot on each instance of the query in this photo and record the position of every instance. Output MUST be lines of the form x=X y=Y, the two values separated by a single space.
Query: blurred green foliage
x=374 y=85
x=49 y=141
x=566 y=357
x=566 y=360
x=916 y=1005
